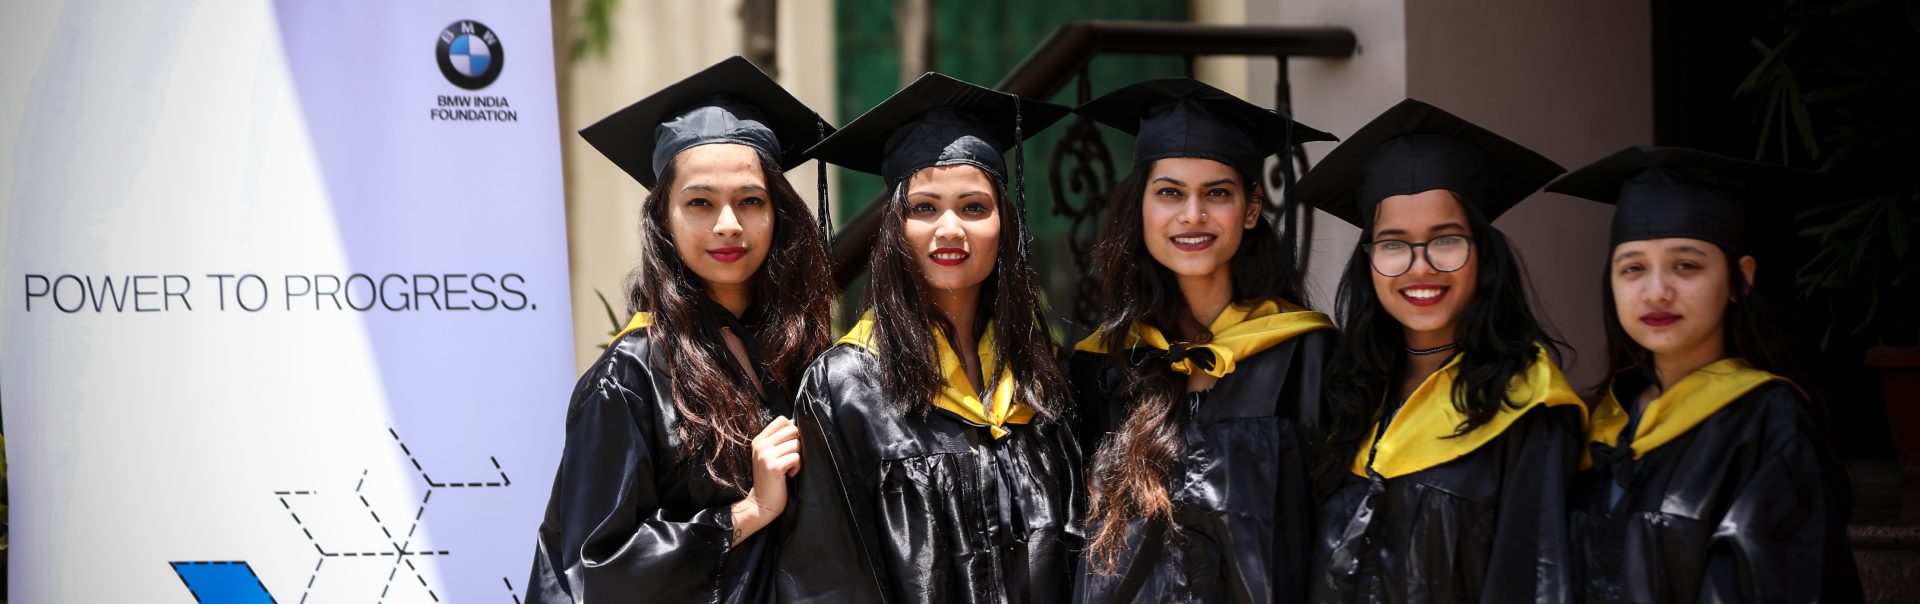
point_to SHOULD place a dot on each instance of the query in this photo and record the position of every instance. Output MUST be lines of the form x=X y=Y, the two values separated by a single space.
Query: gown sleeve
x=1091 y=381
x=1777 y=538
x=831 y=548
x=606 y=536
x=1302 y=403
x=1531 y=559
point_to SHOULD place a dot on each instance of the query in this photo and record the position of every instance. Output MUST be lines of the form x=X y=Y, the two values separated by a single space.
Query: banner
x=285 y=304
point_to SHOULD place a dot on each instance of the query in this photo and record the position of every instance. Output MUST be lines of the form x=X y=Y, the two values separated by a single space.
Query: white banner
x=285 y=302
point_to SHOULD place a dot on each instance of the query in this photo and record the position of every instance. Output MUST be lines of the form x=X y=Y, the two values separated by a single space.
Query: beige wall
x=1572 y=80
x=657 y=42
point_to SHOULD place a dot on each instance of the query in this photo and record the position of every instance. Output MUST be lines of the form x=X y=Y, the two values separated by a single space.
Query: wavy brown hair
x=720 y=410
x=903 y=320
x=1130 y=468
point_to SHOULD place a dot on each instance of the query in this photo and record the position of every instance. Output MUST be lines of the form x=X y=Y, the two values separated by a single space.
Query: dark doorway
x=1703 y=51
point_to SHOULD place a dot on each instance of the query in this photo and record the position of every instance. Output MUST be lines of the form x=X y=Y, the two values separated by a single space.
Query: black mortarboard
x=730 y=102
x=937 y=121
x=1415 y=147
x=1183 y=117
x=1675 y=192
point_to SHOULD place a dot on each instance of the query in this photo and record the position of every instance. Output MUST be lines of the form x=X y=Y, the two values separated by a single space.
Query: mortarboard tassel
x=824 y=208
x=1020 y=177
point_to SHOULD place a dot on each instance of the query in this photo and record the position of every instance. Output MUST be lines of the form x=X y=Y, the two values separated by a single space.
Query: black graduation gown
x=1242 y=493
x=1487 y=526
x=632 y=519
x=1747 y=506
x=891 y=507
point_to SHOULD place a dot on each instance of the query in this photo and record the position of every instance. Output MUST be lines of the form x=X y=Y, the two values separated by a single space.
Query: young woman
x=938 y=466
x=1454 y=433
x=1202 y=383
x=1705 y=480
x=678 y=447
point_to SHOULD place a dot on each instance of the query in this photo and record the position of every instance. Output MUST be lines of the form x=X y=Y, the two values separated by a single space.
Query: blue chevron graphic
x=222 y=582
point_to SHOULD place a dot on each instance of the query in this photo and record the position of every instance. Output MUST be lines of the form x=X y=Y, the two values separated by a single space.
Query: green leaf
x=1873 y=310
x=1898 y=228
x=1800 y=116
x=1901 y=279
x=1861 y=212
x=1770 y=62
x=596 y=26
x=1815 y=212
x=611 y=317
x=1842 y=154
x=1854 y=6
x=1786 y=128
x=1824 y=255
x=1766 y=127
x=1836 y=93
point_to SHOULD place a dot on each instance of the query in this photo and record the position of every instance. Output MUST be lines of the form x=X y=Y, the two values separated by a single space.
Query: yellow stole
x=1420 y=435
x=956 y=396
x=1239 y=332
x=640 y=320
x=1696 y=397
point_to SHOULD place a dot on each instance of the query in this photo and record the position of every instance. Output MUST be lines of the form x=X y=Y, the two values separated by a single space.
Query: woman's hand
x=776 y=456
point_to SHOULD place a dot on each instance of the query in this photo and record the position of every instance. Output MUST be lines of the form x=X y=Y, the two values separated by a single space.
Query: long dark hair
x=903 y=320
x=1130 y=468
x=1749 y=327
x=1497 y=334
x=1749 y=330
x=720 y=409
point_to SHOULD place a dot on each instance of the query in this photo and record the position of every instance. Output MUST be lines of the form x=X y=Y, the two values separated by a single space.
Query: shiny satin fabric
x=1747 y=506
x=1242 y=493
x=1487 y=527
x=890 y=507
x=630 y=518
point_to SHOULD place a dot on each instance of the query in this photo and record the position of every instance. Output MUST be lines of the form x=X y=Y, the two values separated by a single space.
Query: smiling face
x=1671 y=294
x=953 y=226
x=1193 y=215
x=1427 y=302
x=720 y=213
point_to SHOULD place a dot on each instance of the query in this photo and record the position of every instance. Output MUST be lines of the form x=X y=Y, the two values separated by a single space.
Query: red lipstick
x=1440 y=292
x=729 y=254
x=1204 y=241
x=949 y=256
x=1660 y=319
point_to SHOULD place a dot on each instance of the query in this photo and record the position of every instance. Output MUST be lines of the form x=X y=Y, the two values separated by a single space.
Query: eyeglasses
x=1393 y=257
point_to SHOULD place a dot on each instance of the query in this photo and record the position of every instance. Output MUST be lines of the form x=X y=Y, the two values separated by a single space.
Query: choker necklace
x=1437 y=349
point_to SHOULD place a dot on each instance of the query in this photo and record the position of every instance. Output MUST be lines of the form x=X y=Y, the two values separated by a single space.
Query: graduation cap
x=1183 y=117
x=1676 y=192
x=937 y=121
x=941 y=121
x=729 y=102
x=1415 y=147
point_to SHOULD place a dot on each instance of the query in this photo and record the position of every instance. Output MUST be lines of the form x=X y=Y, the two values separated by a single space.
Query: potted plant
x=1839 y=91
x=1866 y=275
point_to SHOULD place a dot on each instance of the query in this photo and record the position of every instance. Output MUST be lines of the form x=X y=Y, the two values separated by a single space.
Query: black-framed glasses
x=1393 y=257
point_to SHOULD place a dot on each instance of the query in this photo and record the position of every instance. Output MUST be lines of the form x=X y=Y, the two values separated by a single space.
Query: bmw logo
x=470 y=55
